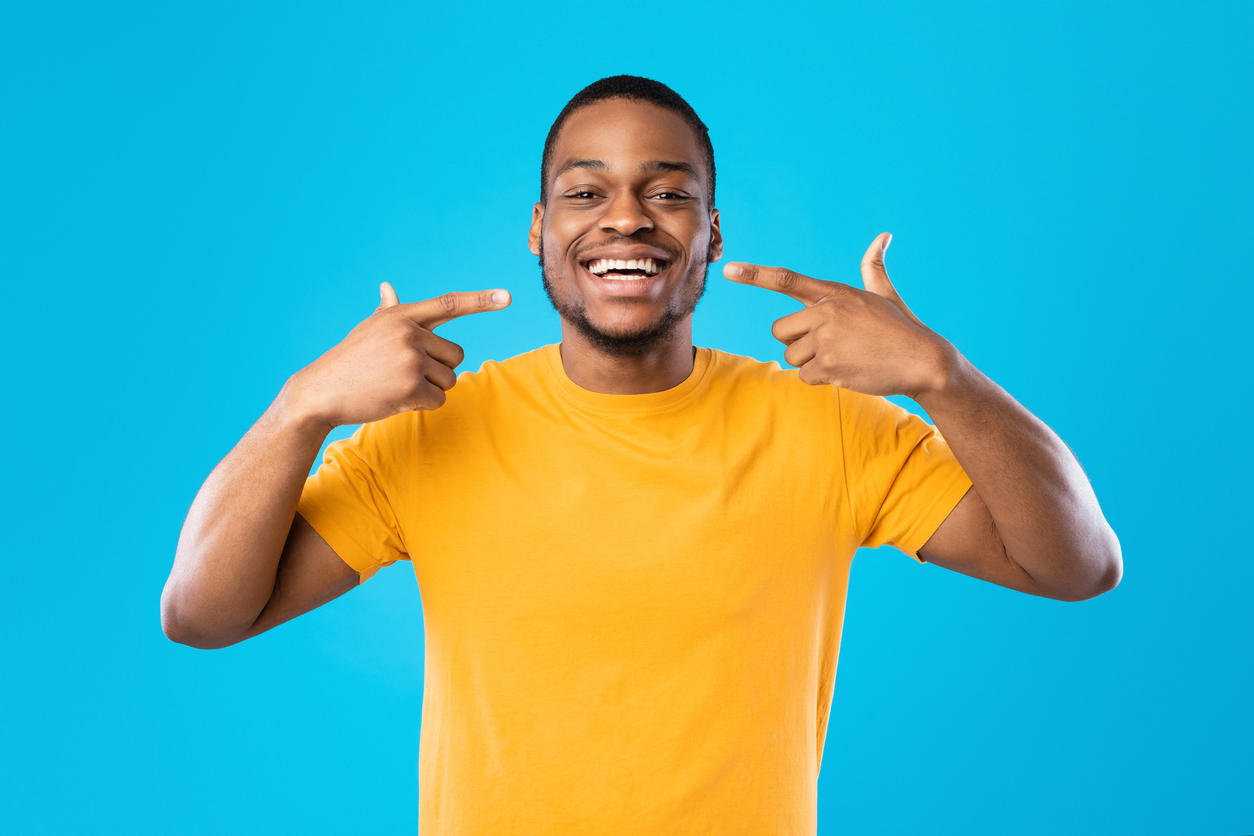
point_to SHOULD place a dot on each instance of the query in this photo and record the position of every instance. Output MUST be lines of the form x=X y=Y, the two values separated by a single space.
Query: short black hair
x=637 y=89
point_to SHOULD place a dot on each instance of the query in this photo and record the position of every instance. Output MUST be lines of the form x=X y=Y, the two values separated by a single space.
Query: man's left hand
x=864 y=340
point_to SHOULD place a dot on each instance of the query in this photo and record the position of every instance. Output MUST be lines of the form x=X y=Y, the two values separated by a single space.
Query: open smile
x=625 y=269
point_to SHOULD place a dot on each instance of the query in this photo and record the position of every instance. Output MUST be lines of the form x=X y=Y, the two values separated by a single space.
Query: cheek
x=554 y=255
x=560 y=229
x=696 y=231
x=552 y=240
x=699 y=249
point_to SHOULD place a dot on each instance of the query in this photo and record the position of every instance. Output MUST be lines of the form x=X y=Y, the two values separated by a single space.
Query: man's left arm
x=1031 y=521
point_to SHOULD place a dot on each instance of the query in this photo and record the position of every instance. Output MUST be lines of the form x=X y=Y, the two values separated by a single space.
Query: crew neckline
x=648 y=402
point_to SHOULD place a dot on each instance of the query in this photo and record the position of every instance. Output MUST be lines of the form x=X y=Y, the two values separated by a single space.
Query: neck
x=660 y=368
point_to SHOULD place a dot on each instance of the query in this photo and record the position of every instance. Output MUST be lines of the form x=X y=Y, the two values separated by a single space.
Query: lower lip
x=637 y=286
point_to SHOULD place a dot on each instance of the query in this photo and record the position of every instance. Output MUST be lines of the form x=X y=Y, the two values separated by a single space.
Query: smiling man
x=633 y=553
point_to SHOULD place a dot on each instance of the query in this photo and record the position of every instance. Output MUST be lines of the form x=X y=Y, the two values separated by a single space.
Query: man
x=633 y=553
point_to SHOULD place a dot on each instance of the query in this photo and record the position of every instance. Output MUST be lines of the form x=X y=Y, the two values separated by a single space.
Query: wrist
x=946 y=373
x=295 y=408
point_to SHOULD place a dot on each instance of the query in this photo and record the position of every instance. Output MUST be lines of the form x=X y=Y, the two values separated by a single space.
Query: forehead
x=623 y=133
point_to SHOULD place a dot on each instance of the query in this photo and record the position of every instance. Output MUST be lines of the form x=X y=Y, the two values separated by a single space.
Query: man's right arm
x=245 y=561
x=243 y=553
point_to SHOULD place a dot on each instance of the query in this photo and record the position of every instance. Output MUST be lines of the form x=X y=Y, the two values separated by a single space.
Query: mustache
x=626 y=239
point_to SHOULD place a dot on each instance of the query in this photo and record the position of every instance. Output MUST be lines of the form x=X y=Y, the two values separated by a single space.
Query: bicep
x=968 y=542
x=309 y=575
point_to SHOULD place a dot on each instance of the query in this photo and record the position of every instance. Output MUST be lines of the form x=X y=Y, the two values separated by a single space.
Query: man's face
x=626 y=236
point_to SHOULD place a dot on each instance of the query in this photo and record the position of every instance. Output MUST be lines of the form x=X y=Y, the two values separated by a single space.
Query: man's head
x=637 y=89
x=626 y=225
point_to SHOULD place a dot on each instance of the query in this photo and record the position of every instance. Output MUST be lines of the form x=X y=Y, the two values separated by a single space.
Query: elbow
x=1105 y=582
x=1114 y=572
x=1108 y=561
x=179 y=633
x=180 y=629
x=175 y=630
x=1112 y=564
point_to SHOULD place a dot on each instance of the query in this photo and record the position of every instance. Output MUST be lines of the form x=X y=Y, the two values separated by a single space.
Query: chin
x=630 y=338
x=622 y=327
x=628 y=343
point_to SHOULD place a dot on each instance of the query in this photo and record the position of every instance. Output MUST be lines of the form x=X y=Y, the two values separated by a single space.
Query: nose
x=625 y=214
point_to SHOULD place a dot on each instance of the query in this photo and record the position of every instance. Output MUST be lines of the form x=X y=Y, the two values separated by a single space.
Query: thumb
x=875 y=274
x=387 y=296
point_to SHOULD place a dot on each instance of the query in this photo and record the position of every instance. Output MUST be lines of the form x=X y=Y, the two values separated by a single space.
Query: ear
x=716 y=238
x=537 y=227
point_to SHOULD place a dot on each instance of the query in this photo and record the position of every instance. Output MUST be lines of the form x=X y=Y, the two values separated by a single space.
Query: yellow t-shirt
x=632 y=603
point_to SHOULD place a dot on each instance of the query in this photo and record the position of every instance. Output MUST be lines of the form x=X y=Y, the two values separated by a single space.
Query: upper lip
x=628 y=254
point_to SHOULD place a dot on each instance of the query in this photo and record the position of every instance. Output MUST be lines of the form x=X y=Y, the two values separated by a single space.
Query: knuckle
x=448 y=302
x=416 y=339
x=785 y=277
x=449 y=348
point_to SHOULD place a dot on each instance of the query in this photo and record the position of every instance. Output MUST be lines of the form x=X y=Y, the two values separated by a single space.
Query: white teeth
x=601 y=266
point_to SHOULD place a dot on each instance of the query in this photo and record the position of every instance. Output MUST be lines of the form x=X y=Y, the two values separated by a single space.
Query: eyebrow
x=667 y=165
x=595 y=165
x=647 y=166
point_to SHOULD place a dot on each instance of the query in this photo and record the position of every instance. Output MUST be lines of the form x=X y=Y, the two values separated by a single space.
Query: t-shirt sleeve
x=901 y=477
x=353 y=497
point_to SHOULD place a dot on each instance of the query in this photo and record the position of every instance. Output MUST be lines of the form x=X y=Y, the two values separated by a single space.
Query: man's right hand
x=390 y=363
x=245 y=560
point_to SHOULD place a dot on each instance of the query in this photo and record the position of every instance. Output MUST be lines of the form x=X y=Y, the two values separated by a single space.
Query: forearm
x=229 y=549
x=1041 y=502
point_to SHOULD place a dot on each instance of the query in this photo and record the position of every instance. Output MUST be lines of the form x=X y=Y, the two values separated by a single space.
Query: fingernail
x=500 y=297
x=887 y=241
x=733 y=270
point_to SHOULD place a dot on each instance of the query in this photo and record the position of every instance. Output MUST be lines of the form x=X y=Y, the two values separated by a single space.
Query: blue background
x=197 y=200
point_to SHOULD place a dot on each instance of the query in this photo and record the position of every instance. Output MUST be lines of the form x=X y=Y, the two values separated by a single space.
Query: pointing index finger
x=433 y=313
x=780 y=279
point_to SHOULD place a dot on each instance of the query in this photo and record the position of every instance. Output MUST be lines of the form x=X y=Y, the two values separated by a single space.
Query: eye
x=582 y=194
x=670 y=196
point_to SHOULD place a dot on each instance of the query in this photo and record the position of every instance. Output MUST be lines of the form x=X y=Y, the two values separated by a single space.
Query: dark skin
x=627 y=182
x=246 y=561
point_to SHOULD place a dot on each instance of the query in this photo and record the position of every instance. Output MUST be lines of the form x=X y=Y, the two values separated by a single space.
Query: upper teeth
x=601 y=266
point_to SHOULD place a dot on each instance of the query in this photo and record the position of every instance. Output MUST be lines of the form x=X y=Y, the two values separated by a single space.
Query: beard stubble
x=632 y=343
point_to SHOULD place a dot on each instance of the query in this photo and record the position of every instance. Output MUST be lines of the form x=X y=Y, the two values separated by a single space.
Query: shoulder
x=522 y=371
x=476 y=399
x=744 y=379
x=761 y=397
x=739 y=375
x=497 y=385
